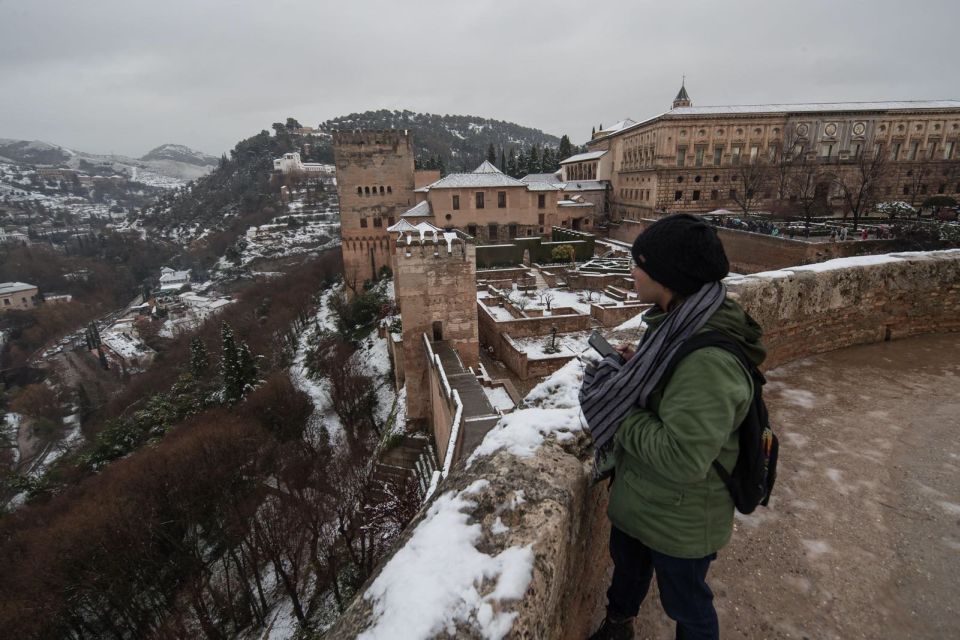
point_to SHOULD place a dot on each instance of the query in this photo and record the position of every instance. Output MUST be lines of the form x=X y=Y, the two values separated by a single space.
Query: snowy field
x=537 y=347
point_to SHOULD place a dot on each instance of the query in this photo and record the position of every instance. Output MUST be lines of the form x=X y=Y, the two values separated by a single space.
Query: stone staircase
x=412 y=458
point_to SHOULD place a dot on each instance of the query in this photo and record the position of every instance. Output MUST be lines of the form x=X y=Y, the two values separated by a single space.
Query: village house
x=171 y=279
x=18 y=295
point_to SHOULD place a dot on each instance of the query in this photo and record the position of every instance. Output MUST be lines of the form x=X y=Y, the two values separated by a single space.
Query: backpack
x=755 y=471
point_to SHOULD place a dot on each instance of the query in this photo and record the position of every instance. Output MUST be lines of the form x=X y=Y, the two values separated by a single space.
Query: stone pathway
x=862 y=539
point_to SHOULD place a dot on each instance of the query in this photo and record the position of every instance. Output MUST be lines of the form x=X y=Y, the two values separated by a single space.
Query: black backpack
x=755 y=472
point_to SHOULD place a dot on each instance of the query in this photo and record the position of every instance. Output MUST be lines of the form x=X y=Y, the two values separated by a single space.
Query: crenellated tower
x=375 y=184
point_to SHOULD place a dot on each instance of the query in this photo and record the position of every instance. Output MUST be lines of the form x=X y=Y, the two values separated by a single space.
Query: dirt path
x=863 y=537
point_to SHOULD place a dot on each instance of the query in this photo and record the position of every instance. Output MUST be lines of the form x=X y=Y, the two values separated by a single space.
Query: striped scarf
x=612 y=389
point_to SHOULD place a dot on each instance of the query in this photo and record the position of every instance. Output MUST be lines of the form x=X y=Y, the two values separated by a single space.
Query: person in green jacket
x=669 y=509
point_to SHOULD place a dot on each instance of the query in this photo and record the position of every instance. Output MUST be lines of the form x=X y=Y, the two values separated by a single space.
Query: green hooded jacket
x=666 y=492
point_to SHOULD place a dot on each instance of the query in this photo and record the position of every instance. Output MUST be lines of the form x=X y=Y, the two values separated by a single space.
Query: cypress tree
x=503 y=161
x=566 y=149
x=533 y=163
x=230 y=373
x=491 y=154
x=199 y=359
x=512 y=164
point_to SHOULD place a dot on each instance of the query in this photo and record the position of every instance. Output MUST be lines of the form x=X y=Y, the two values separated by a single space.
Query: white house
x=291 y=163
x=171 y=279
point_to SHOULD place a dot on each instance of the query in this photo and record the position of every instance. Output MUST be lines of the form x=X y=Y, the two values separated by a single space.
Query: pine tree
x=566 y=149
x=512 y=164
x=548 y=162
x=199 y=359
x=491 y=154
x=522 y=164
x=533 y=163
x=230 y=373
x=247 y=364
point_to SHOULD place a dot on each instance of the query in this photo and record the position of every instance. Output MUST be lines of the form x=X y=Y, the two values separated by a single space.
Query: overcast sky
x=124 y=76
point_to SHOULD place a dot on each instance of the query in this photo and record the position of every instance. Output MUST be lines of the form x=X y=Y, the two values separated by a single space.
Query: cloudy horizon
x=111 y=76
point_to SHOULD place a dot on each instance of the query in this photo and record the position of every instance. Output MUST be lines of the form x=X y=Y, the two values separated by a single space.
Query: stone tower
x=682 y=99
x=435 y=280
x=375 y=185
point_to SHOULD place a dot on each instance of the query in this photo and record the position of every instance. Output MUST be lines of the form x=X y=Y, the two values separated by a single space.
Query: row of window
x=377 y=222
x=827 y=150
x=479 y=202
x=372 y=191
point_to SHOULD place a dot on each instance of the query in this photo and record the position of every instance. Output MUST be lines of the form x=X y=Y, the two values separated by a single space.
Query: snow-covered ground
x=538 y=347
x=499 y=398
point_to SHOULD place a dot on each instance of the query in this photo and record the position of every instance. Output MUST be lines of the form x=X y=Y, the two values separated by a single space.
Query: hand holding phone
x=604 y=348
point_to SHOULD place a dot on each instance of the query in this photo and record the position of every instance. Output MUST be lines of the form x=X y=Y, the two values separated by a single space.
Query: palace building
x=699 y=158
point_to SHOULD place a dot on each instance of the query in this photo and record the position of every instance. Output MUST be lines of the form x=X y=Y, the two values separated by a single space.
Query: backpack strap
x=713 y=338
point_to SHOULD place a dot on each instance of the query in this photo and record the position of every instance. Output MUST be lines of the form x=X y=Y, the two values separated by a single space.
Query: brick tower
x=436 y=285
x=375 y=185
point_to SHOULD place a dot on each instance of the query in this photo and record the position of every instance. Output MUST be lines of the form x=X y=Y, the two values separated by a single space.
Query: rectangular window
x=363 y=223
x=456 y=202
x=733 y=194
x=377 y=222
x=472 y=230
x=681 y=156
x=541 y=201
x=855 y=149
x=714 y=194
x=826 y=150
x=678 y=195
x=931 y=149
x=390 y=221
x=696 y=195
x=717 y=156
x=493 y=232
x=913 y=150
x=698 y=158
x=512 y=231
x=479 y=197
x=895 y=151
x=540 y=218
x=948 y=150
x=754 y=152
x=735 y=157
x=877 y=149
x=501 y=199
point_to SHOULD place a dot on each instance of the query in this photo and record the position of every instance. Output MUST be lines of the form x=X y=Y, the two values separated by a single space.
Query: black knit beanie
x=682 y=252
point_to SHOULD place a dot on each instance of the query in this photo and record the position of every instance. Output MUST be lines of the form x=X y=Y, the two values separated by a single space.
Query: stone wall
x=804 y=311
x=490 y=329
x=754 y=252
x=524 y=367
x=611 y=316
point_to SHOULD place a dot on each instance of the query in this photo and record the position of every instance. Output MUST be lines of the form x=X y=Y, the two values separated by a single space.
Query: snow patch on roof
x=582 y=157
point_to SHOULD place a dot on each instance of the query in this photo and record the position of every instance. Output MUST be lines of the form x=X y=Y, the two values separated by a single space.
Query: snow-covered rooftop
x=583 y=185
x=541 y=177
x=7 y=288
x=421 y=210
x=582 y=157
x=486 y=175
x=808 y=107
x=623 y=124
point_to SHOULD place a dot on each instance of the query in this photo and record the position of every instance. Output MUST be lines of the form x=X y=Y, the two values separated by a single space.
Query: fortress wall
x=561 y=521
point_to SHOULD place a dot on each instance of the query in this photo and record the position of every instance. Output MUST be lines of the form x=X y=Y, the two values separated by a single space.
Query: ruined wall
x=804 y=311
x=610 y=316
x=490 y=329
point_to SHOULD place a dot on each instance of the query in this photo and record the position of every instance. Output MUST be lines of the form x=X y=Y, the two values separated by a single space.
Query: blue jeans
x=684 y=593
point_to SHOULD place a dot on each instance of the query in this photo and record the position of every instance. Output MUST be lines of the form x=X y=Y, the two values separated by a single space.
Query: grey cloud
x=124 y=76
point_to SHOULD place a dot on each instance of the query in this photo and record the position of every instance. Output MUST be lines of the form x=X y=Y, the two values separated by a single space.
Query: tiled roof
x=13 y=287
x=581 y=157
x=815 y=107
x=486 y=175
x=541 y=177
x=421 y=210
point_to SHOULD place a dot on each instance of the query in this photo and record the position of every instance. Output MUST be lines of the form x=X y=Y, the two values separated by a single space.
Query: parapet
x=372 y=138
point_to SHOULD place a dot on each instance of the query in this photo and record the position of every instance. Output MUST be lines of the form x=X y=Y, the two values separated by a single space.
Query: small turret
x=682 y=99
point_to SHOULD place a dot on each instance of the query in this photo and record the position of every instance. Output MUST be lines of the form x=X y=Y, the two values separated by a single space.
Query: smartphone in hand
x=604 y=348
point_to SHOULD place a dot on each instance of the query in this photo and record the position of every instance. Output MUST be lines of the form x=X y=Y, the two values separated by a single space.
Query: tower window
x=363 y=223
x=479 y=198
x=456 y=202
x=501 y=199
x=541 y=201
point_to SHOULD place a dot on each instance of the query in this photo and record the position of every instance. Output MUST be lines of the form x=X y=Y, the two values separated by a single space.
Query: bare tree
x=807 y=184
x=751 y=176
x=859 y=182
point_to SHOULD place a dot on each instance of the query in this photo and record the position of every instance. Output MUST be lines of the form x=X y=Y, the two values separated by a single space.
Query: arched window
x=389 y=189
x=359 y=191
x=366 y=190
x=381 y=190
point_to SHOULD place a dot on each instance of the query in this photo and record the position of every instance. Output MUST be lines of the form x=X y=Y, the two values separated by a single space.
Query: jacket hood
x=732 y=320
